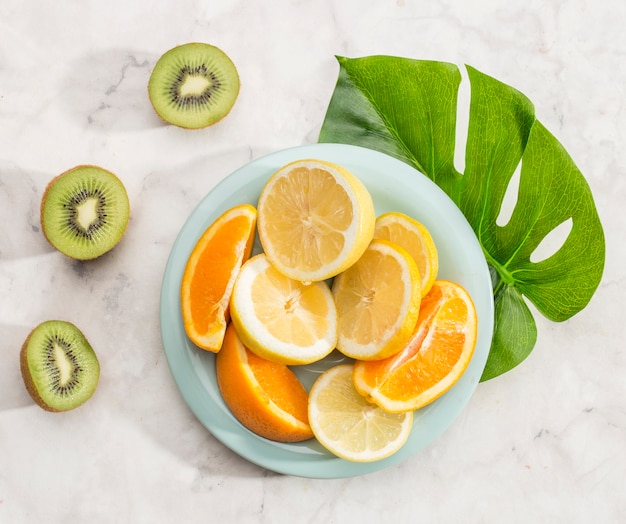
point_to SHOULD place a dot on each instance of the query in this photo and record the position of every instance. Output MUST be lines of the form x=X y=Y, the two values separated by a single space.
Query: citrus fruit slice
x=266 y=397
x=210 y=274
x=378 y=300
x=282 y=319
x=315 y=219
x=436 y=356
x=415 y=238
x=349 y=426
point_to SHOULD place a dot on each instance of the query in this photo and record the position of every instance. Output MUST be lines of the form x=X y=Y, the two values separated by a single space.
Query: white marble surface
x=544 y=443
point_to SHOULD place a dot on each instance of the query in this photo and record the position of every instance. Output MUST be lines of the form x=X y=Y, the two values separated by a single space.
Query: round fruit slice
x=210 y=275
x=282 y=319
x=378 y=301
x=347 y=425
x=193 y=85
x=59 y=367
x=266 y=397
x=432 y=361
x=84 y=212
x=415 y=238
x=315 y=219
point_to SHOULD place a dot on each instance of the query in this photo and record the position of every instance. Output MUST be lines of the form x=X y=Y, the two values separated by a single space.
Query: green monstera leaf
x=408 y=109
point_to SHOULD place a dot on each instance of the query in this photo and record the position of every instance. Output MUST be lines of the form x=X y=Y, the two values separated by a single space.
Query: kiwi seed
x=59 y=367
x=193 y=85
x=85 y=212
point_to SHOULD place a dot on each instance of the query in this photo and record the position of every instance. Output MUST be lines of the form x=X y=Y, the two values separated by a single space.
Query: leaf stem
x=505 y=276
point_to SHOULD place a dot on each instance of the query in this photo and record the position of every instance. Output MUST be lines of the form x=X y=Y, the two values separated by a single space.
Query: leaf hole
x=510 y=198
x=462 y=121
x=552 y=242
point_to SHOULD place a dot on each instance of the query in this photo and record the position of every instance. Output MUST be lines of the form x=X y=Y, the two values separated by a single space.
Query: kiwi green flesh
x=85 y=212
x=59 y=367
x=193 y=85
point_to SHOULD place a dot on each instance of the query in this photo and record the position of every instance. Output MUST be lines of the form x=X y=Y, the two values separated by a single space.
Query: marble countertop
x=543 y=443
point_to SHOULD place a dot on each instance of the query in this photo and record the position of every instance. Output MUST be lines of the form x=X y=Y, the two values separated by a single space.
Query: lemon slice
x=377 y=301
x=282 y=319
x=415 y=238
x=347 y=425
x=315 y=219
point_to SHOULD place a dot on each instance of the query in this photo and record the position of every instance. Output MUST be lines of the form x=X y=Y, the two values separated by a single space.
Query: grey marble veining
x=544 y=443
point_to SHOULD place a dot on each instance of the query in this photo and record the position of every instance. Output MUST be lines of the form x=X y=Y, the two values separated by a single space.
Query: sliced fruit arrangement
x=265 y=396
x=349 y=426
x=193 y=85
x=331 y=276
x=59 y=367
x=210 y=274
x=84 y=212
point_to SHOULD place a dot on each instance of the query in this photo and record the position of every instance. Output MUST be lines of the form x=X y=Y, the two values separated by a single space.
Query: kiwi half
x=193 y=85
x=59 y=367
x=85 y=212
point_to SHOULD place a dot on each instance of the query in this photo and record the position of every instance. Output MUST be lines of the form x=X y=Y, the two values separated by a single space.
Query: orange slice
x=266 y=397
x=210 y=275
x=434 y=359
x=315 y=219
x=378 y=301
x=415 y=238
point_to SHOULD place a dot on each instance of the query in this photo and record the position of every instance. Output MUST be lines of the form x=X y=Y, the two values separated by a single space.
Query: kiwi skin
x=97 y=249
x=28 y=382
x=27 y=377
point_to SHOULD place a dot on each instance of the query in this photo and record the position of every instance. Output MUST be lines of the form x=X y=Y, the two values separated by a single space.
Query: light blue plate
x=394 y=186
